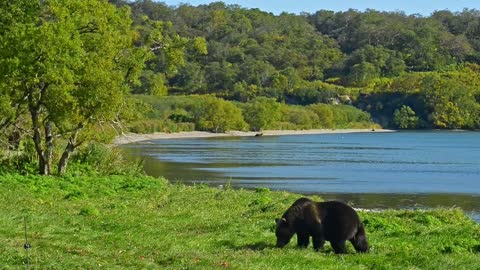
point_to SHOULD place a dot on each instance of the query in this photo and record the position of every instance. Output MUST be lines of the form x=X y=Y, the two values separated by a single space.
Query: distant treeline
x=209 y=113
x=408 y=71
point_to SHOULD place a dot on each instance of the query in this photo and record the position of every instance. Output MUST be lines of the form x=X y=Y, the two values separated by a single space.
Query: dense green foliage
x=92 y=158
x=127 y=222
x=369 y=59
x=65 y=67
x=209 y=113
x=443 y=100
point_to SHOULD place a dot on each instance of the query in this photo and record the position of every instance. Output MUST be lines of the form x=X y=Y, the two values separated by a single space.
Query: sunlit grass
x=120 y=222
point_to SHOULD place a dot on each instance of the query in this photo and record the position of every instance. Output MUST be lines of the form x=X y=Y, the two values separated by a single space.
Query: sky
x=423 y=7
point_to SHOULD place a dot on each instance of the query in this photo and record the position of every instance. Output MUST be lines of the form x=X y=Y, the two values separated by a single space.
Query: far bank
x=134 y=137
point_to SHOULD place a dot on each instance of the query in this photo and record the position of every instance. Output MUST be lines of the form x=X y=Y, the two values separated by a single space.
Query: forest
x=407 y=71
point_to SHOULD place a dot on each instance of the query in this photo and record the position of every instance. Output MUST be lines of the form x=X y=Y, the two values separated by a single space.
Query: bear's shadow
x=259 y=246
x=255 y=246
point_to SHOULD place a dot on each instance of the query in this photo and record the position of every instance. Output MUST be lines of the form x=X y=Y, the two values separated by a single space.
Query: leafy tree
x=163 y=52
x=221 y=75
x=361 y=74
x=152 y=84
x=244 y=92
x=242 y=54
x=190 y=79
x=217 y=115
x=346 y=115
x=68 y=63
x=405 y=118
x=261 y=113
x=299 y=116
x=325 y=115
x=445 y=99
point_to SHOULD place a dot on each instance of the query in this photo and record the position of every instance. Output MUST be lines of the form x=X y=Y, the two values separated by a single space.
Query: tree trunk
x=43 y=166
x=72 y=144
x=34 y=108
x=49 y=142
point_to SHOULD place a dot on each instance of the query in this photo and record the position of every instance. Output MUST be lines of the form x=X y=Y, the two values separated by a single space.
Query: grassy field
x=124 y=222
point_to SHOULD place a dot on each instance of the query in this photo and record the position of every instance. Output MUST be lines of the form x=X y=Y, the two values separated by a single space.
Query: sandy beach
x=133 y=137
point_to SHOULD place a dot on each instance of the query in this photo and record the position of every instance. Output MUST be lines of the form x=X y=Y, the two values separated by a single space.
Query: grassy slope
x=121 y=222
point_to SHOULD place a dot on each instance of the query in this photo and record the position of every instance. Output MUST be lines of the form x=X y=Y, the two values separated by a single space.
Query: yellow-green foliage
x=217 y=115
x=153 y=125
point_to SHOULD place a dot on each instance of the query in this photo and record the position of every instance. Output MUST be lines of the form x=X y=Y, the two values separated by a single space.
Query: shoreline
x=134 y=137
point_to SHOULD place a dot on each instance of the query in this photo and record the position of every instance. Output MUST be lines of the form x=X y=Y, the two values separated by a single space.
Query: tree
x=261 y=113
x=324 y=113
x=299 y=116
x=163 y=52
x=68 y=64
x=152 y=83
x=405 y=118
x=190 y=79
x=361 y=74
x=451 y=98
x=217 y=115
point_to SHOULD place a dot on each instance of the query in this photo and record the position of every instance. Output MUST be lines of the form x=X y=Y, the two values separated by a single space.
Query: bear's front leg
x=339 y=247
x=318 y=238
x=303 y=239
x=359 y=241
x=318 y=241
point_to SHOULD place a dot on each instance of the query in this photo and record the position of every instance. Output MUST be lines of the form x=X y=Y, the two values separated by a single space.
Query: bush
x=217 y=115
x=152 y=126
x=22 y=161
x=346 y=115
x=102 y=159
x=300 y=117
x=325 y=115
x=209 y=113
x=405 y=118
x=261 y=113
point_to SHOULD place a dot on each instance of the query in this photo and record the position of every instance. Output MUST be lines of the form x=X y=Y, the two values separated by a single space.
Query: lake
x=371 y=170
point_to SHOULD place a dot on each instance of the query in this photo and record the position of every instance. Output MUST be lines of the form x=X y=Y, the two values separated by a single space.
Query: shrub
x=405 y=118
x=102 y=159
x=325 y=115
x=300 y=117
x=261 y=113
x=217 y=115
x=152 y=126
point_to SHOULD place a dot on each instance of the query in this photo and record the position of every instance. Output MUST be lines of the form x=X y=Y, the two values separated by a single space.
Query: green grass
x=125 y=222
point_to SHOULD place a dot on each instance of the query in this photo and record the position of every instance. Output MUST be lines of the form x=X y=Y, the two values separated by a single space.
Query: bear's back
x=296 y=211
x=339 y=221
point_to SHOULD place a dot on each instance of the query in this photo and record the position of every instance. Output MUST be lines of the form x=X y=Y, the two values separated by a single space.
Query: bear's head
x=283 y=231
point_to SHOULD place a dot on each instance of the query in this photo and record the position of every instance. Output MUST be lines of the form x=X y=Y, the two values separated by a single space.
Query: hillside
x=408 y=71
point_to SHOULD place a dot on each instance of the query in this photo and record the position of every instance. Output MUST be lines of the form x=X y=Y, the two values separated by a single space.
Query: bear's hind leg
x=318 y=241
x=359 y=241
x=339 y=247
x=303 y=239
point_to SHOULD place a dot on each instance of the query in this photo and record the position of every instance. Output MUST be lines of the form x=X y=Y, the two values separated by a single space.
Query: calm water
x=374 y=170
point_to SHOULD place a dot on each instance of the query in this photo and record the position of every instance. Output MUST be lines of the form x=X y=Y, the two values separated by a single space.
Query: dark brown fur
x=330 y=221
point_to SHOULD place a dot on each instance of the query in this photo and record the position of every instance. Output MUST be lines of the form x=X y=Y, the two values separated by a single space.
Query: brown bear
x=332 y=221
